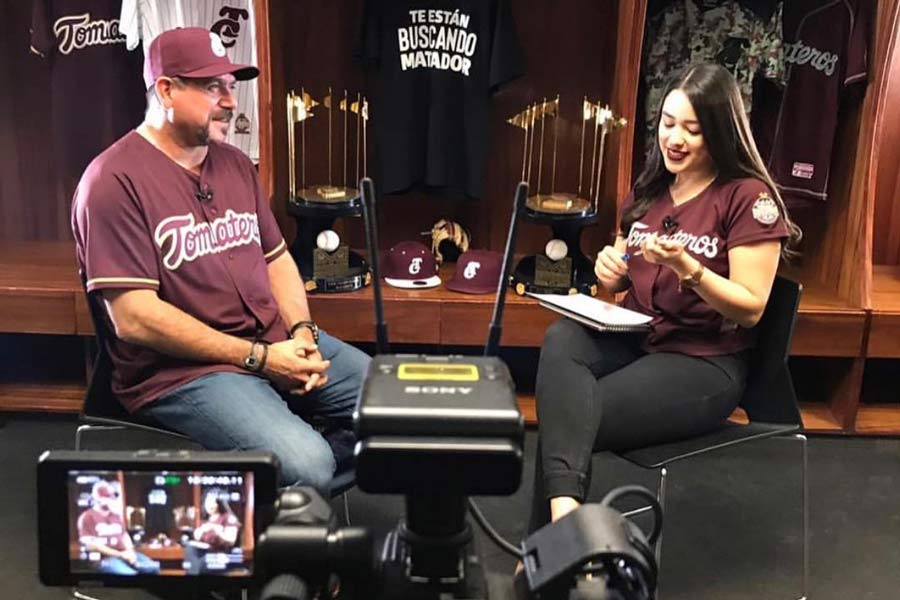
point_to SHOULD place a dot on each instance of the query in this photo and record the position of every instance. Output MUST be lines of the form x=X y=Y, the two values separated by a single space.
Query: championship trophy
x=563 y=268
x=327 y=265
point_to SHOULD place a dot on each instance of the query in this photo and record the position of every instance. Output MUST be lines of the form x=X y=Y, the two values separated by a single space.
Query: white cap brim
x=414 y=284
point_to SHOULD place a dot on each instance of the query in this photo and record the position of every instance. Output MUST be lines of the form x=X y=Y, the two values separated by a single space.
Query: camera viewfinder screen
x=161 y=523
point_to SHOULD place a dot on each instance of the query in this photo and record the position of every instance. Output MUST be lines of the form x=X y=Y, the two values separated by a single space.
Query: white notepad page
x=593 y=309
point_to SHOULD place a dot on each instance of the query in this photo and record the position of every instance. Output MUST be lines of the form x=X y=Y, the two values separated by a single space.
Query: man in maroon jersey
x=211 y=331
x=102 y=534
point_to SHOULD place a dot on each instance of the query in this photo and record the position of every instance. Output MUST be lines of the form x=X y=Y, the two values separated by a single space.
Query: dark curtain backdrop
x=33 y=204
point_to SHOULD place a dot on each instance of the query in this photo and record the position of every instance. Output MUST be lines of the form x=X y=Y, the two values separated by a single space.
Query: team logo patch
x=471 y=270
x=242 y=124
x=765 y=209
x=215 y=43
x=415 y=265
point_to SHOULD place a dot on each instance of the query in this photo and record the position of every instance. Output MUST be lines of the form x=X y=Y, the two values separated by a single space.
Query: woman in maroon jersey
x=220 y=530
x=699 y=242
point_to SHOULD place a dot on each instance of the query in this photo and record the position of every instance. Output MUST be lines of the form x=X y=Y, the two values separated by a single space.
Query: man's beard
x=199 y=136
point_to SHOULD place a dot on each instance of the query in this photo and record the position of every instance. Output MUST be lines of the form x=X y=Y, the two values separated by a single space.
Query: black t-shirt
x=97 y=91
x=435 y=64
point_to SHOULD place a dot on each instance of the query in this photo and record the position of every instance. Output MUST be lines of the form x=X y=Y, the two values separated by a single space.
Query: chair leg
x=805 y=485
x=661 y=498
x=346 y=497
x=88 y=427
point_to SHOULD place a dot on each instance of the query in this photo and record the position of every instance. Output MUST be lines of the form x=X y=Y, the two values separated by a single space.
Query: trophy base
x=559 y=204
x=583 y=280
x=339 y=201
x=357 y=277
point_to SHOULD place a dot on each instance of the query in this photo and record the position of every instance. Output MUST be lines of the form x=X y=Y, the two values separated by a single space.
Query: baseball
x=556 y=249
x=328 y=240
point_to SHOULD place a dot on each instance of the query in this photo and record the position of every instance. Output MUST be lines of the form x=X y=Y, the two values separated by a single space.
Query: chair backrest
x=769 y=395
x=99 y=401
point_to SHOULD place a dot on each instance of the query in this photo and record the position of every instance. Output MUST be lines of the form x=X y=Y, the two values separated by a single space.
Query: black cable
x=492 y=533
x=636 y=490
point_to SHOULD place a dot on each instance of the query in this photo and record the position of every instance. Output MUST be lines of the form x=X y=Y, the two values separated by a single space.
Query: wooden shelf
x=828 y=325
x=63 y=397
x=818 y=418
x=884 y=335
x=40 y=294
x=38 y=284
x=878 y=419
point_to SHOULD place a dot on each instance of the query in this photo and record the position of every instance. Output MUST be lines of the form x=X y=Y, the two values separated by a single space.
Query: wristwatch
x=251 y=362
x=311 y=325
x=692 y=280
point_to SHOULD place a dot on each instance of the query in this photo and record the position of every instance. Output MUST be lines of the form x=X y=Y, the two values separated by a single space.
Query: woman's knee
x=561 y=337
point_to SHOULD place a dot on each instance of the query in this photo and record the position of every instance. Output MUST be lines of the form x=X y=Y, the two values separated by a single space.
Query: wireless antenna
x=367 y=195
x=496 y=327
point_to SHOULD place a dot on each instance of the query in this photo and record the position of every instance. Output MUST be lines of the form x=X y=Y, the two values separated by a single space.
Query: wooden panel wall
x=886 y=242
x=33 y=205
x=570 y=48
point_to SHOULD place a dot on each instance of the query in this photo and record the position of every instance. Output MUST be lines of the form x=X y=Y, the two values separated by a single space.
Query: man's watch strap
x=251 y=362
x=311 y=325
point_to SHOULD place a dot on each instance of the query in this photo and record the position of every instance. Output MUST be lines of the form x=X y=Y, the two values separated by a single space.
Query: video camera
x=433 y=428
x=180 y=523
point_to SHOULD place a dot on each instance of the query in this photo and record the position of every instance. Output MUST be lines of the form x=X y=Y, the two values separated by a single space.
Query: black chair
x=769 y=401
x=101 y=410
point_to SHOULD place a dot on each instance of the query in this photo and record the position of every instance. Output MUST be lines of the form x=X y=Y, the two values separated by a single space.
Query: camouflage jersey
x=688 y=32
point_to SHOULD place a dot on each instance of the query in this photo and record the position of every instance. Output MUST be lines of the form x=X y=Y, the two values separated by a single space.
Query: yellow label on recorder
x=433 y=372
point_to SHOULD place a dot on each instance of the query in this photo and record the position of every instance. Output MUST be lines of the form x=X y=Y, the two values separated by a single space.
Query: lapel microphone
x=205 y=194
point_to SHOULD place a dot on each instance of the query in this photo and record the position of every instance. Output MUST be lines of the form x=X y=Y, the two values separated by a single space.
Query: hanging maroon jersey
x=96 y=90
x=824 y=52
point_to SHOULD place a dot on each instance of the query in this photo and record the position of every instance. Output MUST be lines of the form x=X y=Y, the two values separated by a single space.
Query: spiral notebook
x=594 y=313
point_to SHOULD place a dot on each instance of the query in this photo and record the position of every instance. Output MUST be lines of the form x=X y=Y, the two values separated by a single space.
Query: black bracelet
x=309 y=324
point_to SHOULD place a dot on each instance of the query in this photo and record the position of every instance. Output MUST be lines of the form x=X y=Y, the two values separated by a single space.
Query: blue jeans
x=118 y=566
x=243 y=411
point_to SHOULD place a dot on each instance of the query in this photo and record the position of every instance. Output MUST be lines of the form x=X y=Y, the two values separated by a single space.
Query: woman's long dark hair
x=222 y=505
x=716 y=99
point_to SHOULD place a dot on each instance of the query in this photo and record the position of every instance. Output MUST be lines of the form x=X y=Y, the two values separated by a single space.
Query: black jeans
x=600 y=391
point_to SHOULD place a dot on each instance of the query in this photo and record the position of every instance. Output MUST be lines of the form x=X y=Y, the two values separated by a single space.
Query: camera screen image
x=161 y=523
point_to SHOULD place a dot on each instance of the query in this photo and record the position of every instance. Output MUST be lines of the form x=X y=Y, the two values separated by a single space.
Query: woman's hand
x=668 y=253
x=610 y=269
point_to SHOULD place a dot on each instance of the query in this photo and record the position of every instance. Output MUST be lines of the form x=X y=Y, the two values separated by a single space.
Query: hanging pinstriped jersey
x=233 y=21
x=747 y=42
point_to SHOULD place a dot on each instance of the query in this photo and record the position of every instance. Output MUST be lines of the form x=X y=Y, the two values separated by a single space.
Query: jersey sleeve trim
x=122 y=282
x=855 y=78
x=276 y=252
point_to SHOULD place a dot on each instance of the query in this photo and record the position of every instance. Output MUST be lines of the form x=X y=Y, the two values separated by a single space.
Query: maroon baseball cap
x=477 y=272
x=410 y=265
x=104 y=489
x=190 y=52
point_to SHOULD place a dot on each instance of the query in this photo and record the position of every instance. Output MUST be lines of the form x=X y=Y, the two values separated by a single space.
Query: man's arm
x=289 y=292
x=290 y=295
x=141 y=317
